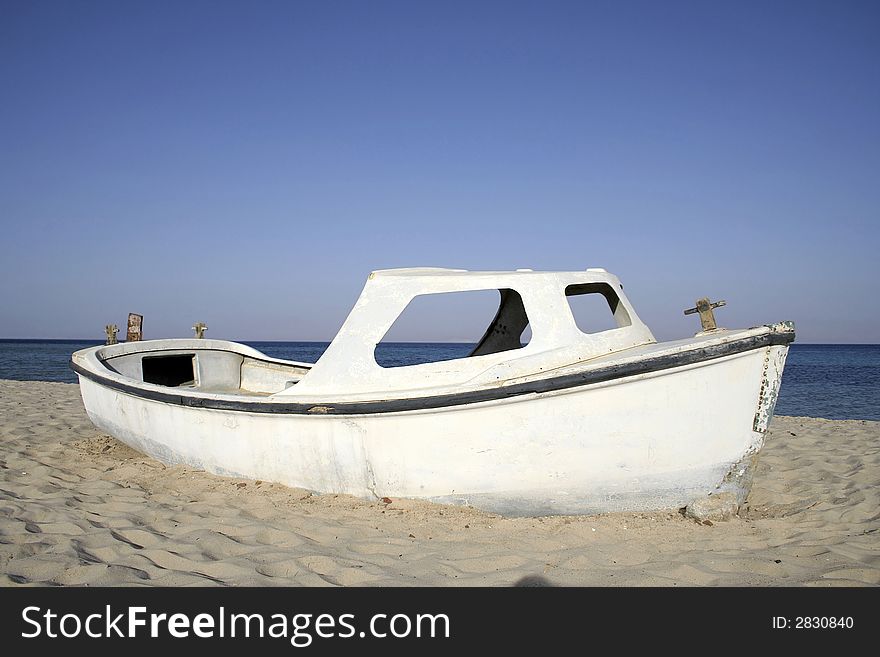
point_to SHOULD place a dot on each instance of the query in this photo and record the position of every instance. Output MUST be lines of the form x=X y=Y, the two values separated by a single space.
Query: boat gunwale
x=775 y=336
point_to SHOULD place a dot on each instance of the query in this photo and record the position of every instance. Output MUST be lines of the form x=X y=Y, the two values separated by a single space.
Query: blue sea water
x=840 y=382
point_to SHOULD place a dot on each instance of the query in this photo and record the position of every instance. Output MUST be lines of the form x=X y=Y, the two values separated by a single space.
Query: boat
x=569 y=422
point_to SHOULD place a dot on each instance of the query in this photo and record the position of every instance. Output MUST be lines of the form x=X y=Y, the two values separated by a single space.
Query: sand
x=79 y=508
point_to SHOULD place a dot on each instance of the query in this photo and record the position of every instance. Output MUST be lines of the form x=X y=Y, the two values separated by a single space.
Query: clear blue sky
x=248 y=163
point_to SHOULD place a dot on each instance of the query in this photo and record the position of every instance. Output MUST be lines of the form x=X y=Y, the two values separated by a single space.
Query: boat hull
x=656 y=440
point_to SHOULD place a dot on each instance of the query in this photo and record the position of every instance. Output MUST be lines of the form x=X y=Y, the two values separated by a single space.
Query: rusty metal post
x=135 y=328
x=111 y=330
x=200 y=329
x=707 y=317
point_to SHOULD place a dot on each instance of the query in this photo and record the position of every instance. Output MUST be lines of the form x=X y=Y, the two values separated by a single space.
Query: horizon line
x=245 y=341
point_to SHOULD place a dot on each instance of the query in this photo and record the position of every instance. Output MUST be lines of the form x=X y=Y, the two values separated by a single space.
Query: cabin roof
x=414 y=272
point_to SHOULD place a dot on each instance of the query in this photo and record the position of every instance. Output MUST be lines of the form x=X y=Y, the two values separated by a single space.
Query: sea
x=835 y=381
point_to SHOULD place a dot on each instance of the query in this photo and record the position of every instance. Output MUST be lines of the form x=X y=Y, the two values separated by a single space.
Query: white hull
x=648 y=441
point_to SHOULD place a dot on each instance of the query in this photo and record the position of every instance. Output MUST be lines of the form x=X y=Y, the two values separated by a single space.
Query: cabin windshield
x=463 y=315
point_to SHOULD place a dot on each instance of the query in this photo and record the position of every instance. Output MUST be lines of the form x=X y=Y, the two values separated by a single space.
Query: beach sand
x=79 y=508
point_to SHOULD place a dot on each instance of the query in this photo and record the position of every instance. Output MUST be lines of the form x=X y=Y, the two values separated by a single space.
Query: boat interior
x=209 y=370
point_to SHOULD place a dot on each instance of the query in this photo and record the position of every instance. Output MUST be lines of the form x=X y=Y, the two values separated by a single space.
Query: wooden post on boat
x=111 y=330
x=135 y=328
x=200 y=329
x=705 y=308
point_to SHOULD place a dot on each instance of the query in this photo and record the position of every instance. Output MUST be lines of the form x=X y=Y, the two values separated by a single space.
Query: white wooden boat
x=572 y=422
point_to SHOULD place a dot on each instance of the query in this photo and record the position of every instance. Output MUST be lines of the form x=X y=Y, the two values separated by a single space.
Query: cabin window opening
x=172 y=371
x=590 y=304
x=446 y=326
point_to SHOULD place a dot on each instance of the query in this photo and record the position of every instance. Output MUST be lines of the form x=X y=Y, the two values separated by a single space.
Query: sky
x=247 y=164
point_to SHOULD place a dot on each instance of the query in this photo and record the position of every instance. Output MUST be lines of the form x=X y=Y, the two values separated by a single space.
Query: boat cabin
x=537 y=301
